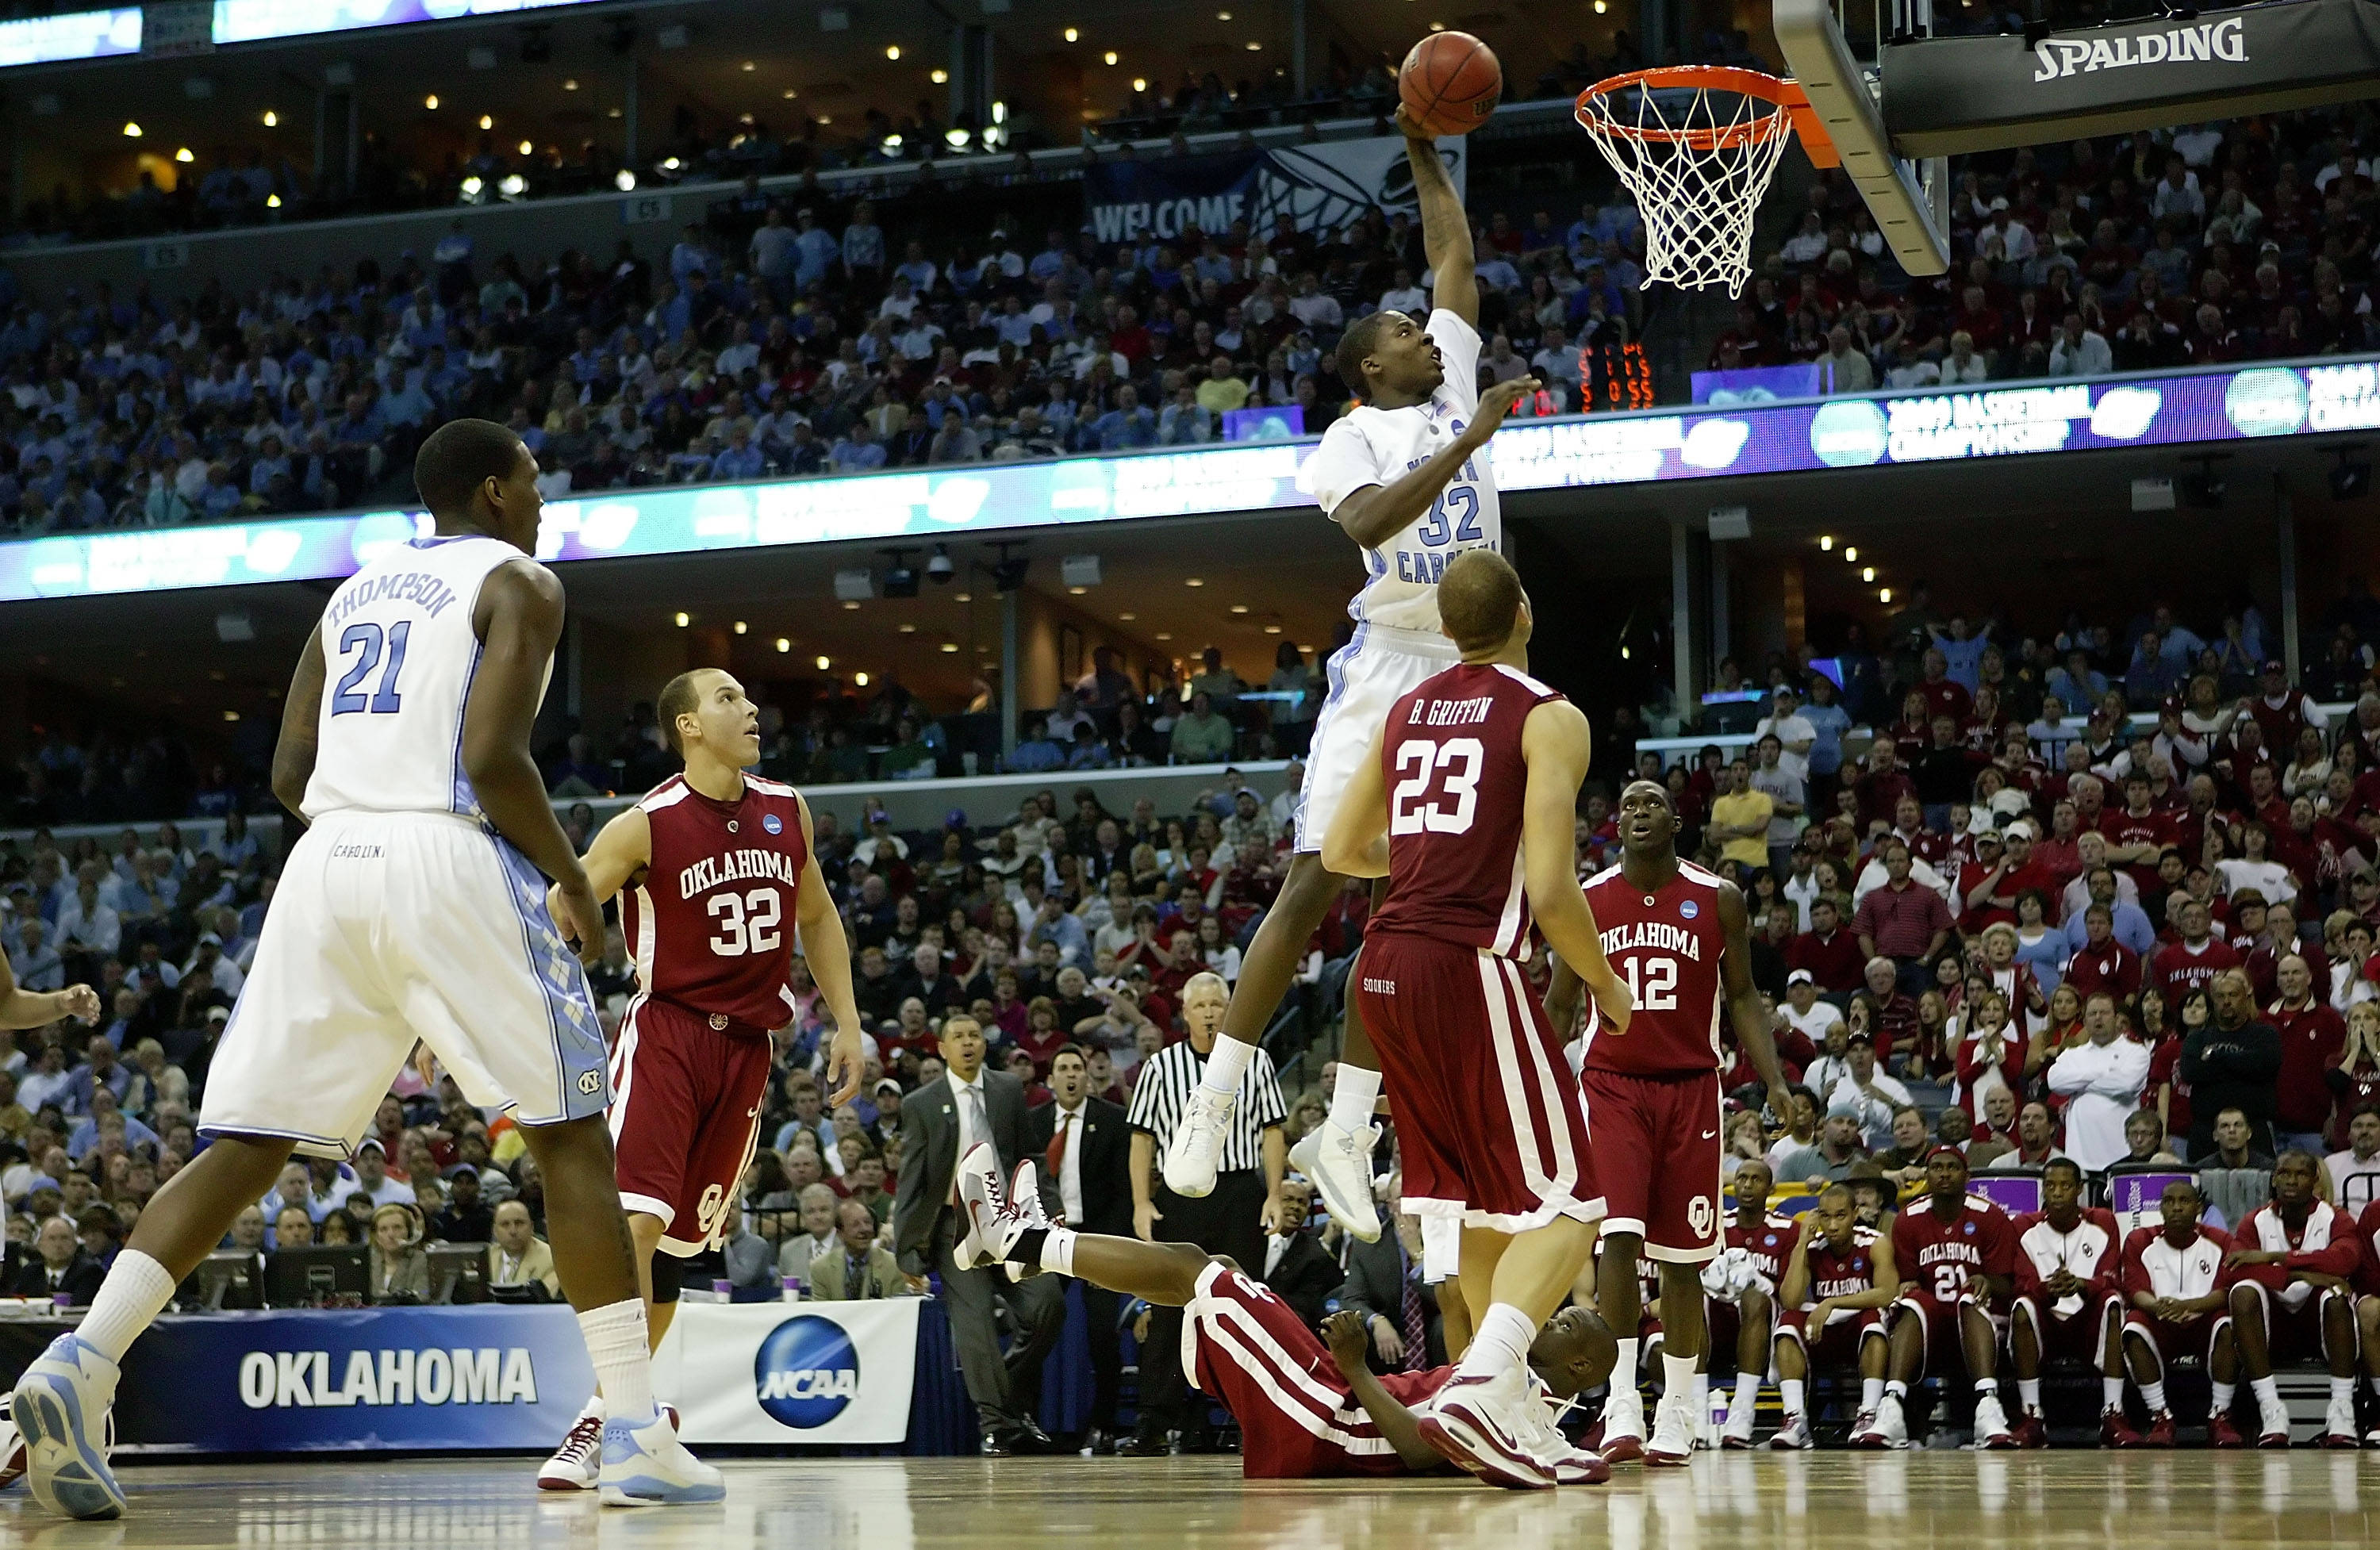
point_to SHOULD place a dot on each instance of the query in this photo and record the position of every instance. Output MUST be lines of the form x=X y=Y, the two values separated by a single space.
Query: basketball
x=1451 y=82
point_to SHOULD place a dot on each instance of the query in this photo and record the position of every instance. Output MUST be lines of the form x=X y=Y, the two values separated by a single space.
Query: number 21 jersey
x=1666 y=947
x=711 y=924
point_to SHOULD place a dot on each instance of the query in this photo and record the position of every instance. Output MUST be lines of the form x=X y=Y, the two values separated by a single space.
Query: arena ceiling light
x=132 y=131
x=783 y=644
x=624 y=180
x=184 y=155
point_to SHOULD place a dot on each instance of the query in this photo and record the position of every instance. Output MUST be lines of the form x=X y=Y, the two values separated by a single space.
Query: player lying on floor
x=1306 y=1411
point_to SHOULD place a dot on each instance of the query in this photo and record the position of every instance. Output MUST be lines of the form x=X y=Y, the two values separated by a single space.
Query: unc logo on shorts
x=1689 y=909
x=773 y=823
x=1699 y=1215
x=807 y=1371
x=590 y=1081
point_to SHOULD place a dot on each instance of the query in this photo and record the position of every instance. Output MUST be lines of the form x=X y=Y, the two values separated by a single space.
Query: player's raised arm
x=301 y=721
x=1744 y=1001
x=1555 y=745
x=828 y=953
x=1357 y=844
x=518 y=620
x=20 y=1008
x=1793 y=1287
x=1445 y=225
x=620 y=853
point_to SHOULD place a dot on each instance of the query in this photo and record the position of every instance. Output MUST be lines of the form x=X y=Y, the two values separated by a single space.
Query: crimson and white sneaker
x=2371 y=1438
x=1794 y=1435
x=993 y=1223
x=1621 y=1439
x=2338 y=1424
x=1479 y=1423
x=1736 y=1436
x=2160 y=1432
x=577 y=1464
x=1991 y=1424
x=1884 y=1426
x=2222 y=1433
x=2273 y=1424
x=2115 y=1431
x=1673 y=1443
x=2027 y=1433
x=1579 y=1467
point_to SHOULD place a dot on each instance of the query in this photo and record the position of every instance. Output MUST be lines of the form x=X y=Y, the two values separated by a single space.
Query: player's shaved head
x=679 y=697
x=1362 y=339
x=457 y=458
x=1479 y=602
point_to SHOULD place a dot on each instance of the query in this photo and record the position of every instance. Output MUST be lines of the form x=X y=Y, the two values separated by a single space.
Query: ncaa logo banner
x=791 y=1372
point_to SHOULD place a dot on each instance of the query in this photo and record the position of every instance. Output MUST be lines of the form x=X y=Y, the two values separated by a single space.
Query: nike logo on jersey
x=1710 y=1135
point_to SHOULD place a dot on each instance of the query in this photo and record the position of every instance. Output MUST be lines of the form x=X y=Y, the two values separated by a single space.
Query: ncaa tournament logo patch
x=773 y=823
x=807 y=1371
x=1690 y=909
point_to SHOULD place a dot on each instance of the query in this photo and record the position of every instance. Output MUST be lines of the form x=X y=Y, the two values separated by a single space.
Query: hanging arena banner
x=1320 y=188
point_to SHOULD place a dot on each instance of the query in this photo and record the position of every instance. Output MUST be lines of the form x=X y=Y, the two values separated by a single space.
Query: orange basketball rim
x=1594 y=105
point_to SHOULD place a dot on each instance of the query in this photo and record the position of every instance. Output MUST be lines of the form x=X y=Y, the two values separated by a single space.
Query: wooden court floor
x=1825 y=1501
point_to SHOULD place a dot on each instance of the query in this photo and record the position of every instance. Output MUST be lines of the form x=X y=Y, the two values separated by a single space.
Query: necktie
x=1058 y=1145
x=977 y=1121
x=1416 y=1332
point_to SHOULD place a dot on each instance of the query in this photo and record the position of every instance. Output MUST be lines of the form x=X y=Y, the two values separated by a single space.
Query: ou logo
x=1700 y=1215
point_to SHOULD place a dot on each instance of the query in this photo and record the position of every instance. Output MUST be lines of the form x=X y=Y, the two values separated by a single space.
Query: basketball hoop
x=1697 y=144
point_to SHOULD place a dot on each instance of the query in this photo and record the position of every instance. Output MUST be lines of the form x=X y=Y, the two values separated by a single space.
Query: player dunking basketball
x=1466 y=802
x=413 y=908
x=714 y=870
x=1406 y=474
x=1676 y=934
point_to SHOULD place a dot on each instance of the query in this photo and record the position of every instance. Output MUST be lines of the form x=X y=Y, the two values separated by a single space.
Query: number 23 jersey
x=1665 y=946
x=711 y=924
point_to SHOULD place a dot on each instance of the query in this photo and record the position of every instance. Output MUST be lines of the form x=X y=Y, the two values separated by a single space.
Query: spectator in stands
x=2101 y=1081
x=2231 y=1062
x=1201 y=737
x=59 y=1266
x=400 y=1268
x=518 y=1258
x=859 y=1268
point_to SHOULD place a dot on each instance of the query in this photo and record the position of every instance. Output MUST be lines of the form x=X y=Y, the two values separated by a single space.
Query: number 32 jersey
x=1458 y=785
x=711 y=924
x=1666 y=947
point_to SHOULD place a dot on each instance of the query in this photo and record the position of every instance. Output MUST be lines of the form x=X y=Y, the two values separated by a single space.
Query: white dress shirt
x=2103 y=1086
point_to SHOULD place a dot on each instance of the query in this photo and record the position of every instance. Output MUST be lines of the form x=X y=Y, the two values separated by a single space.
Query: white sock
x=1623 y=1373
x=1058 y=1251
x=1227 y=1063
x=1789 y=1394
x=1500 y=1344
x=2112 y=1393
x=2223 y=1396
x=593 y=1406
x=2342 y=1391
x=136 y=1291
x=2267 y=1389
x=624 y=1371
x=2028 y=1393
x=1896 y=1389
x=1747 y=1396
x=1350 y=1100
x=1680 y=1381
x=1871 y=1393
x=2153 y=1396
x=1989 y=1388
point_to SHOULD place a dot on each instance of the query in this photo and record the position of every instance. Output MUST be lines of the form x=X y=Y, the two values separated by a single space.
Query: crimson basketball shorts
x=1725 y=1321
x=686 y=1114
x=1660 y=1137
x=1488 y=1123
x=1298 y=1420
x=2080 y=1335
x=1939 y=1335
x=2293 y=1325
x=2171 y=1340
x=1838 y=1345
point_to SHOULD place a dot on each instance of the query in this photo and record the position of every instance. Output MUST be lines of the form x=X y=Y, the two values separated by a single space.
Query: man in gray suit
x=964 y=1106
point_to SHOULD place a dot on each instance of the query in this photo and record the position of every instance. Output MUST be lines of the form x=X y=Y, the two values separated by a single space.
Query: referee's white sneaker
x=61 y=1407
x=1339 y=1162
x=1196 y=1149
x=647 y=1466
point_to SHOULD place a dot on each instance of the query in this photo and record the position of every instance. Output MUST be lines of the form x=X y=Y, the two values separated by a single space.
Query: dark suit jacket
x=1375 y=1285
x=930 y=1157
x=1106 y=1159
x=1305 y=1277
x=82 y=1279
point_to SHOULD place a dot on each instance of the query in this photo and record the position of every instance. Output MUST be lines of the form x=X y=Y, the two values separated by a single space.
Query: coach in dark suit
x=1381 y=1277
x=964 y=1106
x=58 y=1267
x=1297 y=1268
x=1083 y=1147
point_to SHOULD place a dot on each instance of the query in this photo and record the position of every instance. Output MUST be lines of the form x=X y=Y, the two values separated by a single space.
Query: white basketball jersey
x=401 y=653
x=1368 y=446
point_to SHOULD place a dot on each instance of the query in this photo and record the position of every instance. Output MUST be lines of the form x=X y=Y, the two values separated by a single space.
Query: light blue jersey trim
x=582 y=1082
x=1336 y=670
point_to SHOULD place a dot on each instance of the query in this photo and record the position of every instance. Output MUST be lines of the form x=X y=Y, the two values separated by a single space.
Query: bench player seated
x=1305 y=1412
x=2069 y=1300
x=1958 y=1251
x=1835 y=1286
x=1740 y=1292
x=2179 y=1304
x=2291 y=1263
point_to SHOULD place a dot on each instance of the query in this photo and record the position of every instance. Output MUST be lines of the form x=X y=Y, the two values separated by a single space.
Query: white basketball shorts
x=388 y=928
x=1368 y=675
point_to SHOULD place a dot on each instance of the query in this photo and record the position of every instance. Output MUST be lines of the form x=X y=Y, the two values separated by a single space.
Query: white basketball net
x=1698 y=201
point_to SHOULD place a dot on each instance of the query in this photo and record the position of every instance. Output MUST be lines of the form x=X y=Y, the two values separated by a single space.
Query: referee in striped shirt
x=1246 y=1204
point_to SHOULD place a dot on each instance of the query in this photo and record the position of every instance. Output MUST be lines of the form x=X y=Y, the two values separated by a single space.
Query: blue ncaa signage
x=807 y=1371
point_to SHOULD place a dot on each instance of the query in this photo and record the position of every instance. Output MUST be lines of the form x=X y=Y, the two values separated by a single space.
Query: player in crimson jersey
x=715 y=871
x=1836 y=1288
x=2069 y=1300
x=2179 y=1295
x=2291 y=1263
x=1957 y=1255
x=1307 y=1412
x=1740 y=1292
x=1677 y=935
x=1476 y=839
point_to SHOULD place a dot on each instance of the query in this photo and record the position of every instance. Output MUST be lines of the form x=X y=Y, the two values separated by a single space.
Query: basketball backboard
x=1909 y=199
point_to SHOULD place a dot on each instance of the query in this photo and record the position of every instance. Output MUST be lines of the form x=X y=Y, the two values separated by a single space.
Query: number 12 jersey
x=1666 y=945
